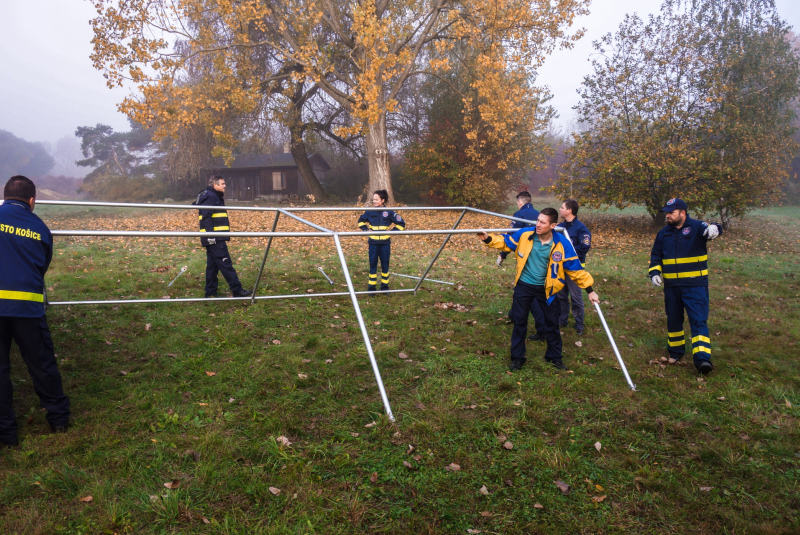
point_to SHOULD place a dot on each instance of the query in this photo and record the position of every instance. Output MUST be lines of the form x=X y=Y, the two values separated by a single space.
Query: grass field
x=198 y=395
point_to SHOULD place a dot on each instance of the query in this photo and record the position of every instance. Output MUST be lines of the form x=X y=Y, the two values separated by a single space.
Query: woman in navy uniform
x=679 y=261
x=380 y=247
x=26 y=247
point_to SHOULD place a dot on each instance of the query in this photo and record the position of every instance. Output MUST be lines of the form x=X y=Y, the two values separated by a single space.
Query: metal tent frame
x=316 y=232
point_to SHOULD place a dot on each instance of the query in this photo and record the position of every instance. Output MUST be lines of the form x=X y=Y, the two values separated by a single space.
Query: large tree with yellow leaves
x=359 y=55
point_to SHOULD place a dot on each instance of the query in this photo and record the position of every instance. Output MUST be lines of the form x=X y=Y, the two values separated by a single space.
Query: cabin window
x=278 y=181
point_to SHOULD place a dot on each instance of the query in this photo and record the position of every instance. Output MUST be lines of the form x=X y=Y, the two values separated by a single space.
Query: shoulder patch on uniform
x=586 y=239
x=557 y=256
x=385 y=214
x=687 y=230
x=399 y=217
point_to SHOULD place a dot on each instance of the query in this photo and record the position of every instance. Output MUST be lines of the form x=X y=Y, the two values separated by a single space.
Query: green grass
x=145 y=411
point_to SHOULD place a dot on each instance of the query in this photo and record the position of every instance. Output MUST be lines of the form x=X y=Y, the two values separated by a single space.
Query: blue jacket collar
x=20 y=203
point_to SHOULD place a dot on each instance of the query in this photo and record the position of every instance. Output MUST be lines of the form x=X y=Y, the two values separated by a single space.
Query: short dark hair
x=383 y=194
x=19 y=187
x=572 y=206
x=524 y=195
x=552 y=213
x=214 y=180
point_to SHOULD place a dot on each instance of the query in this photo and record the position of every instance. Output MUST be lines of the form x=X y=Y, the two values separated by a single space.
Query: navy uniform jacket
x=526 y=212
x=380 y=219
x=26 y=247
x=213 y=220
x=580 y=237
x=680 y=255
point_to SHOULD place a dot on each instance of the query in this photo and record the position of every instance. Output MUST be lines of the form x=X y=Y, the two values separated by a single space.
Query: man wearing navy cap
x=679 y=262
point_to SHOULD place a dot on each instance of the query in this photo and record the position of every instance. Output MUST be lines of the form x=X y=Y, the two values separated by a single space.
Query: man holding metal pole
x=679 y=261
x=26 y=247
x=544 y=260
x=217 y=257
x=581 y=240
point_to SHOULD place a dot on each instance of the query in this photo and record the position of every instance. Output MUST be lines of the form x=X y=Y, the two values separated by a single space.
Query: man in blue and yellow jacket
x=544 y=261
x=26 y=247
x=218 y=259
x=679 y=261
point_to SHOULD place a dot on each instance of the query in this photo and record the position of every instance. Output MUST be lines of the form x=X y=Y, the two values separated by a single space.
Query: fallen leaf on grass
x=276 y=342
x=283 y=441
x=174 y=484
x=467 y=407
x=473 y=531
x=483 y=490
x=410 y=449
x=538 y=506
x=108 y=343
x=579 y=343
x=402 y=356
x=374 y=477
x=563 y=487
x=706 y=489
x=508 y=445
x=86 y=499
x=598 y=499
x=419 y=405
x=275 y=490
x=722 y=398
x=203 y=404
x=302 y=376
x=486 y=514
x=453 y=467
x=371 y=424
x=146 y=326
x=193 y=454
x=597 y=446
x=354 y=435
x=205 y=520
x=744 y=437
x=306 y=361
x=211 y=374
x=408 y=465
x=788 y=403
x=123 y=372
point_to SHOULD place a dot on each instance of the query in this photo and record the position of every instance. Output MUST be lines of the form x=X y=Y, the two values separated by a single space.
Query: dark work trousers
x=525 y=295
x=693 y=299
x=218 y=260
x=380 y=251
x=571 y=292
x=36 y=346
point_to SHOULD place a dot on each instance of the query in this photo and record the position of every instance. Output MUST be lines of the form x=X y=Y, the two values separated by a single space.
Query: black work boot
x=538 y=337
x=559 y=364
x=705 y=367
x=516 y=365
x=243 y=293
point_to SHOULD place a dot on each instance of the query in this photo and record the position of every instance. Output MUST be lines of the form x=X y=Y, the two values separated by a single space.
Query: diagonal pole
x=363 y=327
x=436 y=257
x=264 y=260
x=614 y=347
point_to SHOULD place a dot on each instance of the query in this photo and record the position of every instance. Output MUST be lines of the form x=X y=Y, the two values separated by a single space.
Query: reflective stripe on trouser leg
x=695 y=301
x=673 y=305
x=373 y=279
x=384 y=278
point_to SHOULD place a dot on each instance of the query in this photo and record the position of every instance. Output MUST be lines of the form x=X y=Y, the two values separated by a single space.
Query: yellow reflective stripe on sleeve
x=705 y=339
x=398 y=227
x=380 y=237
x=678 y=343
x=701 y=349
x=202 y=230
x=362 y=224
x=221 y=228
x=654 y=268
x=221 y=214
x=685 y=274
x=379 y=227
x=677 y=334
x=200 y=218
x=21 y=296
x=687 y=260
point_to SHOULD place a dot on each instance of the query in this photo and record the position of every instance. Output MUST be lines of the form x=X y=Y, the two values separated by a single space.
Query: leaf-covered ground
x=221 y=417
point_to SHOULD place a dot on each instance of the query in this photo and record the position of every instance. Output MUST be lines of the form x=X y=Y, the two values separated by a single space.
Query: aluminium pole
x=436 y=257
x=614 y=347
x=363 y=327
x=264 y=260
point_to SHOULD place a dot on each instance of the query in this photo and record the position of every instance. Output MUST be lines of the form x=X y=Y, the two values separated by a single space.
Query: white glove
x=711 y=232
x=499 y=261
x=657 y=280
x=212 y=241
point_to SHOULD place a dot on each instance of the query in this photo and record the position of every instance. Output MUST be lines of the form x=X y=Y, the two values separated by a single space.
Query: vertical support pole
x=264 y=260
x=436 y=257
x=363 y=327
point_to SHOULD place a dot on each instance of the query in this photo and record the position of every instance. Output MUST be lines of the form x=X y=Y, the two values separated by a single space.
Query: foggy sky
x=48 y=86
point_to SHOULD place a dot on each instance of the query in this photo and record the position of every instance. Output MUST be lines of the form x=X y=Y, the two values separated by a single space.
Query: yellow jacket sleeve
x=581 y=277
x=498 y=243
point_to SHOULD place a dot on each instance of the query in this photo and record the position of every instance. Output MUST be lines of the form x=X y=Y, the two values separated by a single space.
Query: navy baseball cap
x=674 y=204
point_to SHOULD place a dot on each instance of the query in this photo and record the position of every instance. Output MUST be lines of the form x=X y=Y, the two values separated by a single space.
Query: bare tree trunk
x=378 y=160
x=300 y=155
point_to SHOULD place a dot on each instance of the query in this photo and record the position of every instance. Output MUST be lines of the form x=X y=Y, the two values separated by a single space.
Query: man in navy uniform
x=525 y=210
x=217 y=257
x=26 y=247
x=581 y=240
x=679 y=261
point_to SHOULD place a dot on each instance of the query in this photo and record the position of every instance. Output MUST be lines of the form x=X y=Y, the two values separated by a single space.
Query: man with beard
x=679 y=261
